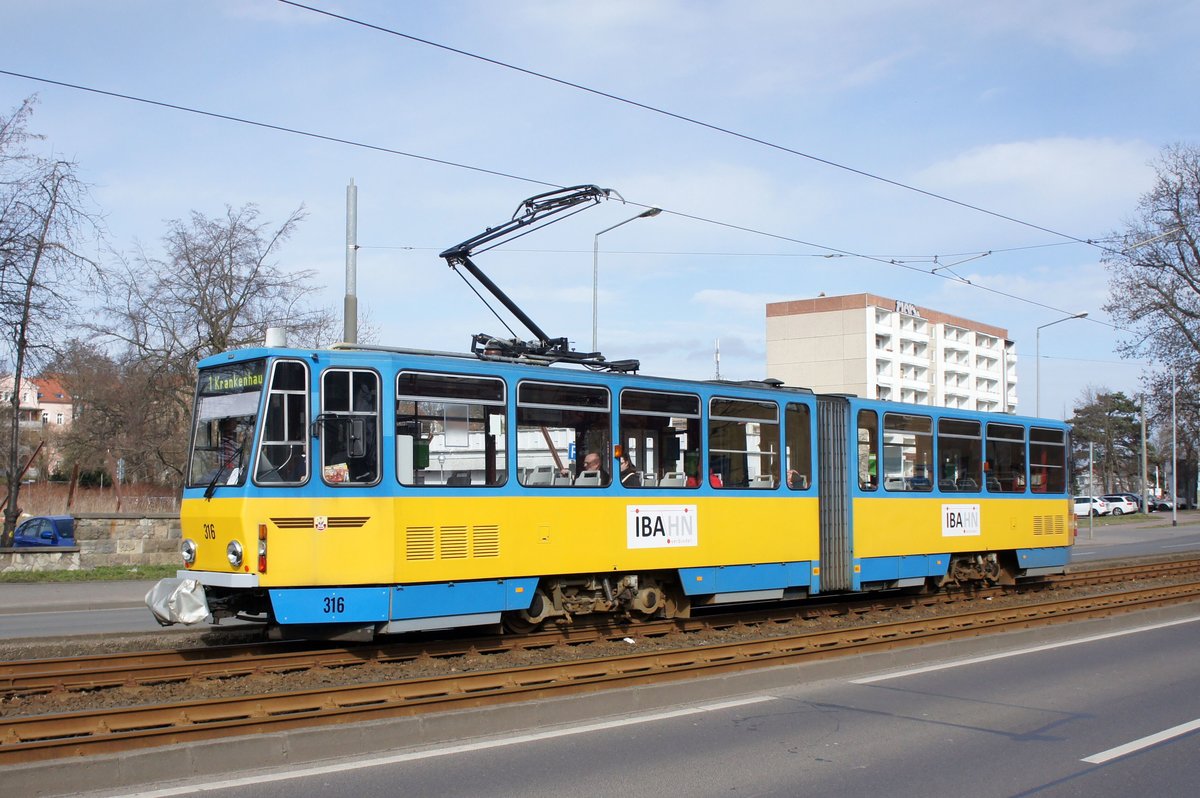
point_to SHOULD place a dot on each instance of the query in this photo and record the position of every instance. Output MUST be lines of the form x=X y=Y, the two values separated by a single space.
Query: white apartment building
x=873 y=346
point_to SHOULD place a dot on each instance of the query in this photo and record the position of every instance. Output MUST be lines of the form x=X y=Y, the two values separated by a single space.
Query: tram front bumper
x=176 y=600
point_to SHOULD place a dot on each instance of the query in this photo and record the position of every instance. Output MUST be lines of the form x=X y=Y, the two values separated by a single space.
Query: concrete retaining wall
x=105 y=539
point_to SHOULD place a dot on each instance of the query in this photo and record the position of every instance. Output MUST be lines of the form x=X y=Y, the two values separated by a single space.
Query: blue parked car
x=47 y=530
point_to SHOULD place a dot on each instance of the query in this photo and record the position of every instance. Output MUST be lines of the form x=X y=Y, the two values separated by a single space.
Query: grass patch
x=104 y=573
x=1155 y=519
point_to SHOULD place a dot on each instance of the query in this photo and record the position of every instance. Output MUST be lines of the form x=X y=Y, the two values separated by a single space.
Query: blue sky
x=1047 y=112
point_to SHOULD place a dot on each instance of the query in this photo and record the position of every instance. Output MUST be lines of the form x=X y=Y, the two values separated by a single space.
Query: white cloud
x=1060 y=180
x=736 y=300
x=1099 y=29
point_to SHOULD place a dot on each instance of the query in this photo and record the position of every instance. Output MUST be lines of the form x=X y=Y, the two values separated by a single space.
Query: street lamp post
x=646 y=214
x=1037 y=355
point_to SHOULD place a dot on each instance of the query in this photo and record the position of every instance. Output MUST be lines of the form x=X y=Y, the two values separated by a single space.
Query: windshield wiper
x=212 y=485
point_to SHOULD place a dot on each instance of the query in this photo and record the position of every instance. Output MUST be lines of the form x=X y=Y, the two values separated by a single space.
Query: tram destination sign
x=232 y=378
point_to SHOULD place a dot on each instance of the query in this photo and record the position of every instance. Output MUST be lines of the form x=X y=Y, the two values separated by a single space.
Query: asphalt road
x=1097 y=710
x=48 y=609
x=1148 y=536
x=1036 y=717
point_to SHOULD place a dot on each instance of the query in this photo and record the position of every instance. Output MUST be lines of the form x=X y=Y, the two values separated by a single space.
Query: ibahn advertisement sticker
x=662 y=526
x=960 y=520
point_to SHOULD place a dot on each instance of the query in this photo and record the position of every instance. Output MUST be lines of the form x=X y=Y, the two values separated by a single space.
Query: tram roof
x=344 y=352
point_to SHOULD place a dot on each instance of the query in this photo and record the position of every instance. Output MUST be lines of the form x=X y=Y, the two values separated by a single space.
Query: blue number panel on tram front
x=379 y=604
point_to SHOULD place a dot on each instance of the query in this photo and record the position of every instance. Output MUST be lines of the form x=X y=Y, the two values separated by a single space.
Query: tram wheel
x=516 y=623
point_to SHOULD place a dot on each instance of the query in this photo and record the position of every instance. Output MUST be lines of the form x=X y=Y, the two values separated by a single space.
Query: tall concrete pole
x=1145 y=489
x=1091 y=494
x=350 y=308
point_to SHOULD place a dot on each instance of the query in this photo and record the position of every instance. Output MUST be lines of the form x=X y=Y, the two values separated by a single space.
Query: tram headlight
x=187 y=550
x=233 y=553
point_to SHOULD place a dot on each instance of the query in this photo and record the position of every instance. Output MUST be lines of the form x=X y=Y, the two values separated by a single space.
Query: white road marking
x=1035 y=649
x=1180 y=546
x=413 y=756
x=1145 y=742
x=50 y=610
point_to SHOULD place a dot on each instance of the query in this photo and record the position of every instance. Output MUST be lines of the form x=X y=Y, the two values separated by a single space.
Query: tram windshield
x=227 y=402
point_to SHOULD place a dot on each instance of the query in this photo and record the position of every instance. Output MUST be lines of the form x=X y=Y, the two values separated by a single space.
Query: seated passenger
x=592 y=462
x=630 y=478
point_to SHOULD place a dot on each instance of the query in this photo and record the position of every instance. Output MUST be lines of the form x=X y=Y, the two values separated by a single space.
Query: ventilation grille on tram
x=452 y=542
x=1049 y=525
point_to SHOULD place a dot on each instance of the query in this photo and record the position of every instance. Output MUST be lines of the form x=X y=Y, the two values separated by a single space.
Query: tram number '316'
x=335 y=605
x=210 y=532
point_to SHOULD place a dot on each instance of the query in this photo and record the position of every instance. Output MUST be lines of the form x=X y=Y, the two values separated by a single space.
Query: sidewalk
x=1155 y=526
x=60 y=596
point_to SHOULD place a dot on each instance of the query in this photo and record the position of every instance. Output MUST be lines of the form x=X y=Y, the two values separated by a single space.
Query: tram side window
x=907 y=452
x=556 y=421
x=349 y=427
x=743 y=443
x=1005 y=465
x=799 y=446
x=450 y=430
x=960 y=455
x=661 y=434
x=283 y=453
x=868 y=448
x=1047 y=460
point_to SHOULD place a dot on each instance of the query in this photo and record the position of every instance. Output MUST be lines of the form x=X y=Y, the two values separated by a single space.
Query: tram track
x=45 y=737
x=124 y=670
x=36 y=738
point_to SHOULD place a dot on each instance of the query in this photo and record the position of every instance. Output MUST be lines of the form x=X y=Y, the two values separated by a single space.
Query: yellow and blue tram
x=357 y=491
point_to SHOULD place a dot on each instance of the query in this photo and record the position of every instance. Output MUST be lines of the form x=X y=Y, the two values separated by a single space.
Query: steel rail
x=38 y=738
x=31 y=677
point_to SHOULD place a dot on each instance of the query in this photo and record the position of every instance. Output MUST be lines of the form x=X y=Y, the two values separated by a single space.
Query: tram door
x=833 y=437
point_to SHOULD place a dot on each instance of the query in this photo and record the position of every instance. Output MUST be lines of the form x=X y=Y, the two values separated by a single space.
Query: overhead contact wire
x=688 y=120
x=280 y=128
x=496 y=173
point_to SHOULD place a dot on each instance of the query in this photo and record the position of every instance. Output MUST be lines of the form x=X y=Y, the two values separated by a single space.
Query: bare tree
x=103 y=401
x=1184 y=422
x=42 y=216
x=1155 y=275
x=1154 y=280
x=216 y=287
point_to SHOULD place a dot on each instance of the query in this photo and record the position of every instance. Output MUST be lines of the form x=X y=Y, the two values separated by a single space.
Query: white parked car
x=1120 y=505
x=1090 y=505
